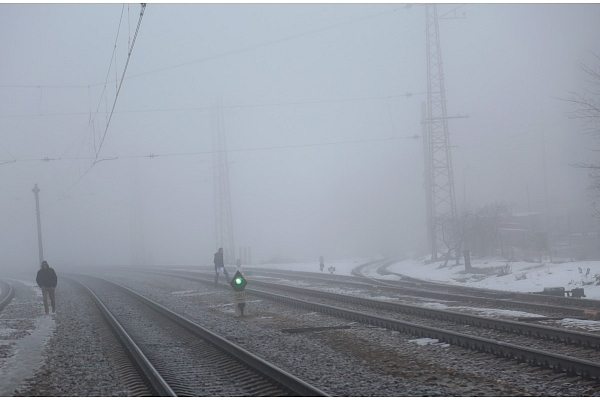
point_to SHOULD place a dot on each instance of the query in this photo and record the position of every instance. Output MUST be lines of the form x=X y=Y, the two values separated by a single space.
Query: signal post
x=238 y=283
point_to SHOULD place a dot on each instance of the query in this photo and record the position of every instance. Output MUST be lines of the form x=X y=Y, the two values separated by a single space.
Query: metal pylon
x=441 y=180
x=222 y=203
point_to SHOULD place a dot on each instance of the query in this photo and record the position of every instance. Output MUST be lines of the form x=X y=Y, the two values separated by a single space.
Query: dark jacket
x=46 y=277
x=219 y=260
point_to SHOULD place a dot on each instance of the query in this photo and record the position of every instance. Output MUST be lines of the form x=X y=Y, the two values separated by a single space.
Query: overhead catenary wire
x=153 y=155
x=264 y=44
x=9 y=161
x=98 y=146
x=275 y=104
x=122 y=77
x=228 y=53
x=92 y=120
x=113 y=55
x=97 y=150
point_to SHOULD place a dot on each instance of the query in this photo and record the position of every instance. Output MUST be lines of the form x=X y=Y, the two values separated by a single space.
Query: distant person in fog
x=46 y=279
x=321 y=263
x=220 y=266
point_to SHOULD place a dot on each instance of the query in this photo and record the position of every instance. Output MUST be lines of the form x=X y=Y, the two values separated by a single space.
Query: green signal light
x=238 y=283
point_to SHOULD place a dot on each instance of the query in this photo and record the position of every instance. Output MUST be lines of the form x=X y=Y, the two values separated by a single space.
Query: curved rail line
x=286 y=383
x=7 y=293
x=557 y=362
x=587 y=304
x=467 y=293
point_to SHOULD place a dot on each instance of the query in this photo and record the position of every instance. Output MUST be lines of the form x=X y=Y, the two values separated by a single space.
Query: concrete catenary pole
x=36 y=192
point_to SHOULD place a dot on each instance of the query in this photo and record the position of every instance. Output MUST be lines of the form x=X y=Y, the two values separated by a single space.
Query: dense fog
x=318 y=124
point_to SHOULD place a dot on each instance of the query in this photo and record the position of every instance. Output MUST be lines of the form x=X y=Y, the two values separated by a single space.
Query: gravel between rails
x=362 y=361
x=526 y=341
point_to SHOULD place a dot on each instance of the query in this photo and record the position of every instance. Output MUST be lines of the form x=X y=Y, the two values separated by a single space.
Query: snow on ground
x=27 y=352
x=518 y=276
x=492 y=273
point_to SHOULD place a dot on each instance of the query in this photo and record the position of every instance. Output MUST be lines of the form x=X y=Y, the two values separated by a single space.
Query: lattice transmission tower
x=439 y=181
x=222 y=203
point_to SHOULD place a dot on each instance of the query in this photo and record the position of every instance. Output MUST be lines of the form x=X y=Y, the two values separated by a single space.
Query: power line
x=153 y=155
x=225 y=54
x=112 y=57
x=122 y=77
x=97 y=152
x=264 y=44
x=291 y=103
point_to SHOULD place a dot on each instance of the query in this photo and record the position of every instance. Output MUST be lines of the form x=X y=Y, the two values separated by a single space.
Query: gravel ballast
x=360 y=361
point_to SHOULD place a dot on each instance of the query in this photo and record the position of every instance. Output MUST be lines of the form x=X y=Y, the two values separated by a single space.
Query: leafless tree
x=586 y=107
x=483 y=228
x=455 y=240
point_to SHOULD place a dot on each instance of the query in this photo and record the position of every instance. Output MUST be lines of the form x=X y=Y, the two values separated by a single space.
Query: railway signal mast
x=439 y=180
x=222 y=201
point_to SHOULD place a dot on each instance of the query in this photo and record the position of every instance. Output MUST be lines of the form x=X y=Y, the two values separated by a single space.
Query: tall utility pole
x=441 y=180
x=36 y=192
x=222 y=203
x=427 y=175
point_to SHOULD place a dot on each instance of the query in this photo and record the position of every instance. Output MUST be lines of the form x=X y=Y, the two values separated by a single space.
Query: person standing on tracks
x=220 y=266
x=321 y=263
x=46 y=279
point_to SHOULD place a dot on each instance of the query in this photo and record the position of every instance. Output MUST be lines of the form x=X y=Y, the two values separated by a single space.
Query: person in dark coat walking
x=46 y=279
x=220 y=266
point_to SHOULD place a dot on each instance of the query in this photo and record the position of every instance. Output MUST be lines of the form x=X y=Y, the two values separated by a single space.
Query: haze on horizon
x=318 y=123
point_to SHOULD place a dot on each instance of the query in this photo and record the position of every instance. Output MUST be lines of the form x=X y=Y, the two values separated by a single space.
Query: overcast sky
x=317 y=123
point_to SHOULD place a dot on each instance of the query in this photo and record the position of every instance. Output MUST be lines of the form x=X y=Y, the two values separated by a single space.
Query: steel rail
x=8 y=292
x=586 y=304
x=293 y=384
x=521 y=328
x=156 y=382
x=556 y=362
x=399 y=285
x=569 y=337
x=565 y=301
x=371 y=282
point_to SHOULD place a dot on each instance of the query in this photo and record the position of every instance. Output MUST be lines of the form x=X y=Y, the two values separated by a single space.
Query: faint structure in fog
x=439 y=179
x=223 y=217
x=36 y=192
x=138 y=242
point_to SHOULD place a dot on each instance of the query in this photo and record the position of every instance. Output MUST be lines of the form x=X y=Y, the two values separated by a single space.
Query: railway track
x=536 y=329
x=486 y=298
x=7 y=292
x=586 y=368
x=442 y=290
x=565 y=336
x=567 y=302
x=180 y=358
